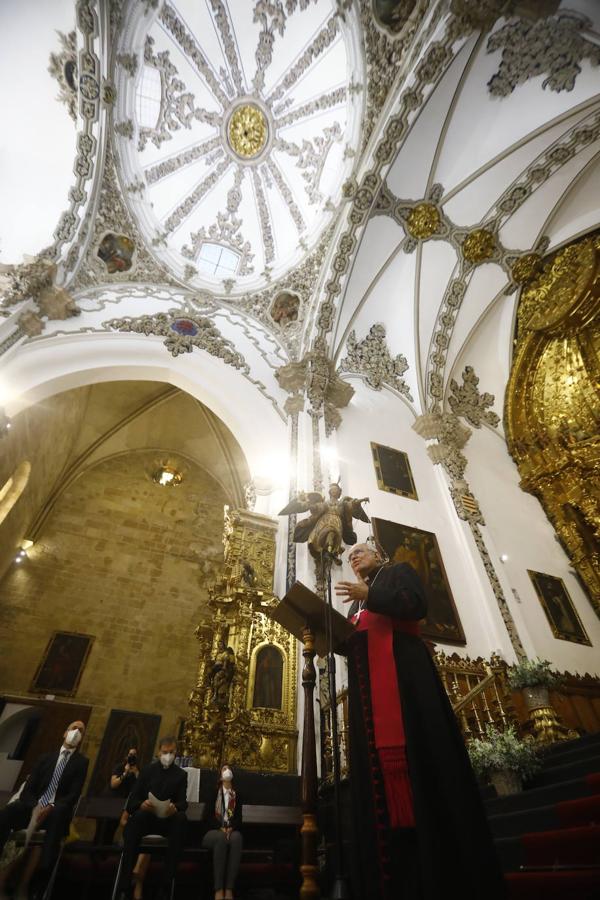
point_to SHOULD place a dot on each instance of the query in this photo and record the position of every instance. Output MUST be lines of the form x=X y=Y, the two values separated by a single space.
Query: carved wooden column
x=309 y=831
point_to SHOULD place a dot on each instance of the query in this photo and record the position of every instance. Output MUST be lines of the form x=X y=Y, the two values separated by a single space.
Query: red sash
x=388 y=724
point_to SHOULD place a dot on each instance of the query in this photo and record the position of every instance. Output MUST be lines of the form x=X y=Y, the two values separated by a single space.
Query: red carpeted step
x=574 y=884
x=583 y=811
x=567 y=846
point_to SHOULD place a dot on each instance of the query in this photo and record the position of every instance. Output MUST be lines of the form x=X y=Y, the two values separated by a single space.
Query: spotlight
x=167 y=476
x=503 y=557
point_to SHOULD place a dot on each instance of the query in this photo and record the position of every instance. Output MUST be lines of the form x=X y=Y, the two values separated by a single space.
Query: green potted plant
x=534 y=678
x=503 y=758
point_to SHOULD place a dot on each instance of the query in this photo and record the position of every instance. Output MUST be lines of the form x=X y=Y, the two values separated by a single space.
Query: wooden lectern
x=307 y=617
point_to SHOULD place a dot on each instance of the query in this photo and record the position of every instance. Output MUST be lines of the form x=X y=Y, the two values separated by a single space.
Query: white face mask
x=73 y=737
x=226 y=774
x=166 y=759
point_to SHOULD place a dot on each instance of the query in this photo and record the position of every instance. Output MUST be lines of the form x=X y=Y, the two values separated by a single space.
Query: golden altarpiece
x=553 y=400
x=243 y=706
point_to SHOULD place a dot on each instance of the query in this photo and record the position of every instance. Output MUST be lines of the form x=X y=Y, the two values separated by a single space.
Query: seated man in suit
x=164 y=781
x=50 y=795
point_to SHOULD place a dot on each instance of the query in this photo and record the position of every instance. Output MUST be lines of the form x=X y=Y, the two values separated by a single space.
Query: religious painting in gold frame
x=404 y=543
x=393 y=471
x=558 y=607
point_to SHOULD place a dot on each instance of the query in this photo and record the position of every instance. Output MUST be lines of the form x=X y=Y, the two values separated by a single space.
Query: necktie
x=50 y=791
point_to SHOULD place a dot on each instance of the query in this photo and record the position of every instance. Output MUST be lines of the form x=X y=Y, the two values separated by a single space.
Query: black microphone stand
x=340 y=885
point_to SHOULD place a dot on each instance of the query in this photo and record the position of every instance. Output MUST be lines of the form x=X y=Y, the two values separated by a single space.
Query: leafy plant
x=503 y=750
x=531 y=673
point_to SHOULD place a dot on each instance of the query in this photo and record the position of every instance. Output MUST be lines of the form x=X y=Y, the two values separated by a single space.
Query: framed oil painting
x=404 y=543
x=125 y=729
x=62 y=664
x=392 y=468
x=558 y=606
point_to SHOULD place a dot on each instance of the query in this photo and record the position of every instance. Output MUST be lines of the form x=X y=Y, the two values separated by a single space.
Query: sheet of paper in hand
x=160 y=806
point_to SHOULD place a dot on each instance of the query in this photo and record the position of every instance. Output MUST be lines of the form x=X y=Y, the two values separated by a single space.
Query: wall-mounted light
x=5 y=423
x=167 y=476
x=503 y=557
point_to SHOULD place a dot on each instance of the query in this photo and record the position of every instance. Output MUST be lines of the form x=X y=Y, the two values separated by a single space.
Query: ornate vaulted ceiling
x=263 y=183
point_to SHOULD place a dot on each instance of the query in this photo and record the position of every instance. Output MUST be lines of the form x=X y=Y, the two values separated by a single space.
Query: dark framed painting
x=124 y=730
x=62 y=664
x=393 y=471
x=404 y=543
x=558 y=606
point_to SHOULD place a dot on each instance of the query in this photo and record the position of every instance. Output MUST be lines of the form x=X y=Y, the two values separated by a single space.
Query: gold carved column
x=230 y=717
x=552 y=408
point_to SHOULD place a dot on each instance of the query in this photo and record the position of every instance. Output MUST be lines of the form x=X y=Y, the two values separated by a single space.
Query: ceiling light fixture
x=167 y=476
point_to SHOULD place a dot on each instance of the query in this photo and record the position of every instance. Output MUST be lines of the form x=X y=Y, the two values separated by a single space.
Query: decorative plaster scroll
x=112 y=216
x=311 y=157
x=272 y=16
x=466 y=401
x=554 y=46
x=129 y=62
x=177 y=105
x=451 y=436
x=371 y=358
x=180 y=160
x=264 y=218
x=317 y=46
x=226 y=230
x=286 y=193
x=325 y=101
x=186 y=41
x=63 y=68
x=89 y=94
x=187 y=207
x=221 y=18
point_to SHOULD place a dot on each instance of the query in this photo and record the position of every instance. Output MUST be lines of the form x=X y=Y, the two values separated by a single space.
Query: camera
x=132 y=759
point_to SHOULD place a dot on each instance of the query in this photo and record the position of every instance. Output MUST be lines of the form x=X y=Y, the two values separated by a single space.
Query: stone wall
x=126 y=561
x=42 y=435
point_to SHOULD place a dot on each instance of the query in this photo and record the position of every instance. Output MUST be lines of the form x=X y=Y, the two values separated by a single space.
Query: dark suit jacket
x=69 y=787
x=165 y=784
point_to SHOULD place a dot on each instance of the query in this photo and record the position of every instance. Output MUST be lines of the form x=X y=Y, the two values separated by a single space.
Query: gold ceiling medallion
x=552 y=401
x=526 y=267
x=247 y=131
x=479 y=246
x=423 y=221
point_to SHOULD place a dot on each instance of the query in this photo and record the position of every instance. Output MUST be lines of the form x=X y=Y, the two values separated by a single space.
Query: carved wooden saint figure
x=221 y=675
x=329 y=525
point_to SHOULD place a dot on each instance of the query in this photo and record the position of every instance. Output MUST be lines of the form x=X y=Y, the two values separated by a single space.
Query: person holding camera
x=124 y=775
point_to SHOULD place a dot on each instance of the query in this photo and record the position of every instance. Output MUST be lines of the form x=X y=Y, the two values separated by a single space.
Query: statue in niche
x=268 y=678
x=116 y=252
x=329 y=525
x=221 y=675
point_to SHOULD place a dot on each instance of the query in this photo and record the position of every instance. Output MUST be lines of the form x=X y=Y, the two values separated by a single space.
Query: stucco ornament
x=554 y=46
x=36 y=280
x=183 y=333
x=372 y=359
x=63 y=67
x=465 y=400
x=478 y=246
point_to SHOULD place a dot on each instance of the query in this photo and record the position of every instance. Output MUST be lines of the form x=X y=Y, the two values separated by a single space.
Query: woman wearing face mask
x=224 y=837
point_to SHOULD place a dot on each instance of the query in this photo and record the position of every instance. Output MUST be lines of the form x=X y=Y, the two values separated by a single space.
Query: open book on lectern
x=301 y=607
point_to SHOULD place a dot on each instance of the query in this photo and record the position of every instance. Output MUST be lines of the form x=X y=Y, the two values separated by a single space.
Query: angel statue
x=329 y=525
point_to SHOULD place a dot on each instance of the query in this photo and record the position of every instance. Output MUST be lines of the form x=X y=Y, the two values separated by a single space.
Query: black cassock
x=450 y=849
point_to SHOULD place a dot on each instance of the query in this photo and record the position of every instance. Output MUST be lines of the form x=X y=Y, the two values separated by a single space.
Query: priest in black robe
x=421 y=827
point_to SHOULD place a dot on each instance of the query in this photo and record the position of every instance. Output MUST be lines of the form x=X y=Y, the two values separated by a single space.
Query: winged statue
x=329 y=525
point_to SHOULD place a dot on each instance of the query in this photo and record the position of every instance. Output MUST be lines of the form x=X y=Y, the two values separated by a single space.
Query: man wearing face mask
x=49 y=797
x=164 y=781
